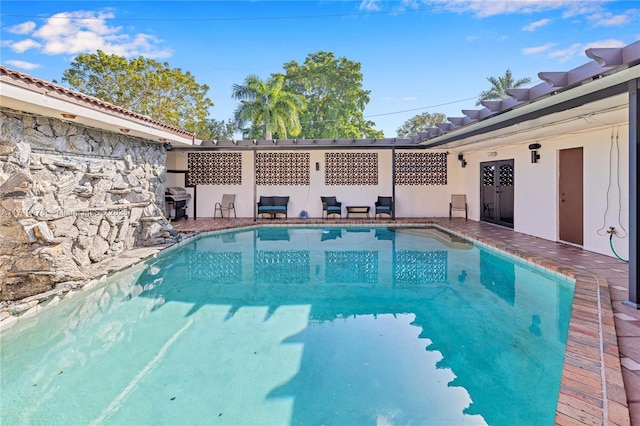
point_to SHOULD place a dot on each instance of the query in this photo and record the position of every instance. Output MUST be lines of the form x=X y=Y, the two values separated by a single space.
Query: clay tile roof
x=61 y=92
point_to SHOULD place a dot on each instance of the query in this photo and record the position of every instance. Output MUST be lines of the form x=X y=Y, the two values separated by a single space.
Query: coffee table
x=358 y=210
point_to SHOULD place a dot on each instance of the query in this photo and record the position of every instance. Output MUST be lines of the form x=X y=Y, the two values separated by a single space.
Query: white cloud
x=537 y=49
x=24 y=28
x=537 y=24
x=369 y=5
x=71 y=33
x=22 y=64
x=582 y=8
x=486 y=8
x=607 y=19
x=23 y=45
x=577 y=49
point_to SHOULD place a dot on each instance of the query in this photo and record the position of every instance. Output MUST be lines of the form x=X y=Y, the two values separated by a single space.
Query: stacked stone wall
x=70 y=197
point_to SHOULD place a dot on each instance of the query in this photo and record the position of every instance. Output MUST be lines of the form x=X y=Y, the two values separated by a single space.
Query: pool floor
x=293 y=363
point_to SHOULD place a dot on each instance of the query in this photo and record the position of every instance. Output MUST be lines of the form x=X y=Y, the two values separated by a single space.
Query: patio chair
x=330 y=206
x=458 y=203
x=384 y=205
x=227 y=204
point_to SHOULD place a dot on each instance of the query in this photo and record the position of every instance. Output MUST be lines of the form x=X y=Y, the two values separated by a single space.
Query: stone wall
x=70 y=197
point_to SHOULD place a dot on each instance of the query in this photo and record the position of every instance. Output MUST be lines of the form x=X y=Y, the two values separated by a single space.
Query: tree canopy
x=144 y=86
x=420 y=123
x=335 y=99
x=217 y=129
x=268 y=107
x=499 y=85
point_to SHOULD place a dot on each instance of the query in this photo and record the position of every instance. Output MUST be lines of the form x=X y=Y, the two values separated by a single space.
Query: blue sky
x=416 y=56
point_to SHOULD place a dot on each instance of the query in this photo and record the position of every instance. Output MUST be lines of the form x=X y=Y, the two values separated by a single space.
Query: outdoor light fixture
x=168 y=146
x=534 y=153
x=462 y=160
x=492 y=154
x=317 y=166
x=124 y=130
x=69 y=116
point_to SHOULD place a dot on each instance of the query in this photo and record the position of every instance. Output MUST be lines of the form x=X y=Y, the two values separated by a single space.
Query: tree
x=269 y=108
x=335 y=98
x=143 y=86
x=420 y=123
x=213 y=129
x=499 y=85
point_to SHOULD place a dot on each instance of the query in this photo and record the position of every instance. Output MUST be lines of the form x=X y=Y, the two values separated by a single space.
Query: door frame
x=574 y=179
x=497 y=199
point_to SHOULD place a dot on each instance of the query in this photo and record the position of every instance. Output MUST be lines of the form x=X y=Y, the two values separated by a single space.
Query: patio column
x=634 y=150
x=255 y=186
x=393 y=183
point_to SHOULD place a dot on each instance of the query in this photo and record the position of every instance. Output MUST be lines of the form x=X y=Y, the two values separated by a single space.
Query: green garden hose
x=614 y=250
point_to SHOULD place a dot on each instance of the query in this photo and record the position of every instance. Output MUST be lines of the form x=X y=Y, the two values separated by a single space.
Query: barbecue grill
x=176 y=200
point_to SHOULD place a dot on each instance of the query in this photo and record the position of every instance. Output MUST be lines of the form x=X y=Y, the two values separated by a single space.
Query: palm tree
x=499 y=85
x=267 y=105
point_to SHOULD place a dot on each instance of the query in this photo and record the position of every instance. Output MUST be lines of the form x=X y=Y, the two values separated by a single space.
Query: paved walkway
x=601 y=375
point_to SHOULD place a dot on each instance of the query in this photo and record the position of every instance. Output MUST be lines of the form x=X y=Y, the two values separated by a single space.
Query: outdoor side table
x=358 y=210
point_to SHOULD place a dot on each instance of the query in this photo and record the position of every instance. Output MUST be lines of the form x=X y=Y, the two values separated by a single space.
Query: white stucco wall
x=411 y=200
x=536 y=201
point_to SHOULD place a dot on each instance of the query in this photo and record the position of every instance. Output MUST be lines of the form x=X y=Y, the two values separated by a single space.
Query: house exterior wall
x=411 y=200
x=536 y=205
x=70 y=197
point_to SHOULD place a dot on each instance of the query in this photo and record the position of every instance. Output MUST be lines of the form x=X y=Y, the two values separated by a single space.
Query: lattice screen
x=351 y=168
x=421 y=168
x=282 y=267
x=351 y=266
x=488 y=175
x=506 y=175
x=216 y=267
x=282 y=168
x=421 y=267
x=214 y=168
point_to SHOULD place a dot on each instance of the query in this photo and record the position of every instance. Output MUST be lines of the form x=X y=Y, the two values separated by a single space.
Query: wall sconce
x=317 y=166
x=69 y=116
x=534 y=153
x=462 y=160
x=168 y=146
x=124 y=130
x=492 y=154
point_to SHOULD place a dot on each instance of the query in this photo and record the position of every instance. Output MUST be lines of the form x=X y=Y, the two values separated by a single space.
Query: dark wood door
x=570 y=191
x=497 y=192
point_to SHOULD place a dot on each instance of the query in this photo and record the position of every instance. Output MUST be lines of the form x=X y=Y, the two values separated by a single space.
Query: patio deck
x=601 y=374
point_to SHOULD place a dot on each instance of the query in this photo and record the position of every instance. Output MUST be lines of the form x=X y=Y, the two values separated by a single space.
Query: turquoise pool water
x=288 y=326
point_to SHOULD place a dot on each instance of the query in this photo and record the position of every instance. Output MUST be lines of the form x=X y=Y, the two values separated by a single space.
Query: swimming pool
x=299 y=325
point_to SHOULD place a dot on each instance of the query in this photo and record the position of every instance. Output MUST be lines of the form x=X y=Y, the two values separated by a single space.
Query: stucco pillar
x=634 y=150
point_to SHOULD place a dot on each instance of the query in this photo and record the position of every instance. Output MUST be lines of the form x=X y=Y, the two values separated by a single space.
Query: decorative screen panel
x=488 y=176
x=351 y=168
x=282 y=168
x=421 y=168
x=352 y=266
x=216 y=267
x=282 y=267
x=214 y=168
x=506 y=175
x=421 y=267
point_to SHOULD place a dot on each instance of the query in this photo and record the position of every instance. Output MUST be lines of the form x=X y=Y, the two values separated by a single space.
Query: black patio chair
x=384 y=205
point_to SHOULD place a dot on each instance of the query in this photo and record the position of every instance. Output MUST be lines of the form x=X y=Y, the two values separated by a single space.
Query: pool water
x=279 y=326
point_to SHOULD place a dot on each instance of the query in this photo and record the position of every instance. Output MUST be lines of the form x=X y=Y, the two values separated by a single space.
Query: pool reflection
x=494 y=338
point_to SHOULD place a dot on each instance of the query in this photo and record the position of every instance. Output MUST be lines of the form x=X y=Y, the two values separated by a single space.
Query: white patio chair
x=227 y=204
x=458 y=203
